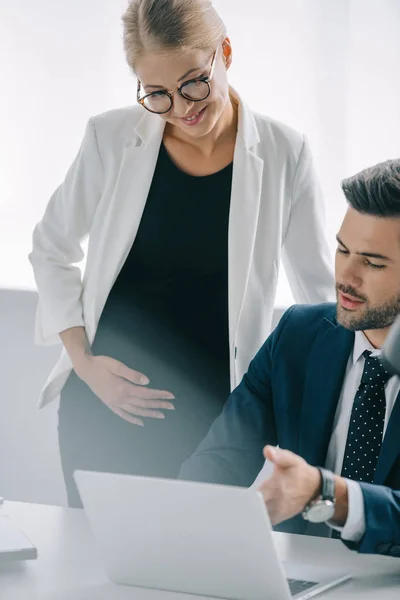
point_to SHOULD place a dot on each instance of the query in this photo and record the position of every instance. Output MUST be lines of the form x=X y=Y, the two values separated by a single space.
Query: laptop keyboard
x=298 y=585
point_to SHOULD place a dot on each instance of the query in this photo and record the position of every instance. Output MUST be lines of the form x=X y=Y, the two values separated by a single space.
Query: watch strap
x=327 y=484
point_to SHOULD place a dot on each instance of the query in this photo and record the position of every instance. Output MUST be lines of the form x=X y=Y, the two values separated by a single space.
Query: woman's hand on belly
x=123 y=390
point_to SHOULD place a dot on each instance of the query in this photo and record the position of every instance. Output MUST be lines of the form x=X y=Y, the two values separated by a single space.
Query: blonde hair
x=170 y=25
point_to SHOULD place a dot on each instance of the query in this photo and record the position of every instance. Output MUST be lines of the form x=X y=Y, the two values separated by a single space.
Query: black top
x=167 y=313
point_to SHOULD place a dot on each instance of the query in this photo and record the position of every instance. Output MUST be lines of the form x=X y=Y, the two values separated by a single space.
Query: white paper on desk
x=14 y=545
x=264 y=474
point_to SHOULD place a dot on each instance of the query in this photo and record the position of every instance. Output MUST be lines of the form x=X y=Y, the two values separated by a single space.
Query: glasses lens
x=158 y=103
x=195 y=90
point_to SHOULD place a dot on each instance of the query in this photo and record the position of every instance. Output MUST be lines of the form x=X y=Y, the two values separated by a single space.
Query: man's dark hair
x=376 y=190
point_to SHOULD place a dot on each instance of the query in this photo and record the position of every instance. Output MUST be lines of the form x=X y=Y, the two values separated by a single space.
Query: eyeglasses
x=194 y=90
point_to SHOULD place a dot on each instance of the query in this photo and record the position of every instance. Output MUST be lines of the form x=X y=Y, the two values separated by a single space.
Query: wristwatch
x=322 y=508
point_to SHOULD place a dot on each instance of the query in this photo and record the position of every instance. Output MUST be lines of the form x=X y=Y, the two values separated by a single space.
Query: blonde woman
x=190 y=200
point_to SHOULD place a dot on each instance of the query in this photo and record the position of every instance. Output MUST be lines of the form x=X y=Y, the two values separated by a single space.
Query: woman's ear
x=227 y=52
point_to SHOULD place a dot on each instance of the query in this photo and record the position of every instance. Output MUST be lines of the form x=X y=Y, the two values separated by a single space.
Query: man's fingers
x=281 y=458
x=127 y=417
x=270 y=453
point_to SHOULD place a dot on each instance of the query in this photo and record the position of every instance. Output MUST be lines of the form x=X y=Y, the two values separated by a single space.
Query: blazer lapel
x=128 y=202
x=390 y=450
x=244 y=210
x=325 y=374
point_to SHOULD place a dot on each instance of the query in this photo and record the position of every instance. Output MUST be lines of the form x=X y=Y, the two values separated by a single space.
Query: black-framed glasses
x=194 y=90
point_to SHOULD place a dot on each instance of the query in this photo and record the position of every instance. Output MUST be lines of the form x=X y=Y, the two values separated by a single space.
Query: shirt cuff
x=354 y=528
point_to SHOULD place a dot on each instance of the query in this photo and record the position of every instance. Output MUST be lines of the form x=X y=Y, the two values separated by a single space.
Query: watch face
x=321 y=511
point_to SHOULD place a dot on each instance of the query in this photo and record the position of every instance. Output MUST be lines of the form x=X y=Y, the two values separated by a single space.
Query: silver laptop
x=197 y=538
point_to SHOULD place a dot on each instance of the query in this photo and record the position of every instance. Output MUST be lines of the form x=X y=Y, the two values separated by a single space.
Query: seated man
x=317 y=390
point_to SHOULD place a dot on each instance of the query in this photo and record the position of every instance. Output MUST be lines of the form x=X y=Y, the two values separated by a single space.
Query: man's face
x=368 y=271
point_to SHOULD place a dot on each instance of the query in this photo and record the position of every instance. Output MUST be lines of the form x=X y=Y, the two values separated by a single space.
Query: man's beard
x=373 y=317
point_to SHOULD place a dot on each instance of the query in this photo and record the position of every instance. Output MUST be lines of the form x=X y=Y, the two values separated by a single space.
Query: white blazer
x=276 y=212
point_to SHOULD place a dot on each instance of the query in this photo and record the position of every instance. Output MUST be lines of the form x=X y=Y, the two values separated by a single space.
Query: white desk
x=68 y=567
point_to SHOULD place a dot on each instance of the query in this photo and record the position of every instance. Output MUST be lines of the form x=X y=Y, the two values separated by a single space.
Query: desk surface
x=68 y=567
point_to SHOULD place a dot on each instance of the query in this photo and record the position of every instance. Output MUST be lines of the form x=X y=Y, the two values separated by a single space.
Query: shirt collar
x=361 y=344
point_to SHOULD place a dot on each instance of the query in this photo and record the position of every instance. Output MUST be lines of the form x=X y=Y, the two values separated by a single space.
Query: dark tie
x=365 y=433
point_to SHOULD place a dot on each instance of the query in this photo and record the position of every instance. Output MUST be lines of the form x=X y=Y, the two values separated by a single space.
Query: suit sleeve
x=382 y=521
x=231 y=453
x=306 y=255
x=57 y=242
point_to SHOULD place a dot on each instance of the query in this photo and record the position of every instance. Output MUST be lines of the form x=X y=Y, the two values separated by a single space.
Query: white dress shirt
x=354 y=527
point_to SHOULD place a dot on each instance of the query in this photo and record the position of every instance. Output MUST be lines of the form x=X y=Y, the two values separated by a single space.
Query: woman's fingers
x=131 y=375
x=149 y=404
x=127 y=417
x=149 y=394
x=142 y=412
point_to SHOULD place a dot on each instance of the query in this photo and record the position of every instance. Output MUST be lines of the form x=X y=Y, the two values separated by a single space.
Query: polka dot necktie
x=365 y=433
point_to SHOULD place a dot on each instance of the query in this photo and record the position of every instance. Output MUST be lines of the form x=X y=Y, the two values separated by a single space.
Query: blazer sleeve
x=57 y=242
x=382 y=520
x=232 y=451
x=305 y=253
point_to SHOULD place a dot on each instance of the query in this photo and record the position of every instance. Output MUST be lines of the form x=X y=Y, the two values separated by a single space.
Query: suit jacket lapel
x=390 y=450
x=325 y=374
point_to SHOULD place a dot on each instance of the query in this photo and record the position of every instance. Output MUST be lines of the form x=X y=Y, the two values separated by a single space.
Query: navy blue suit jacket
x=289 y=397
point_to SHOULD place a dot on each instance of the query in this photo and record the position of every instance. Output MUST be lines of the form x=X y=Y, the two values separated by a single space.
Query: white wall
x=328 y=68
x=373 y=106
